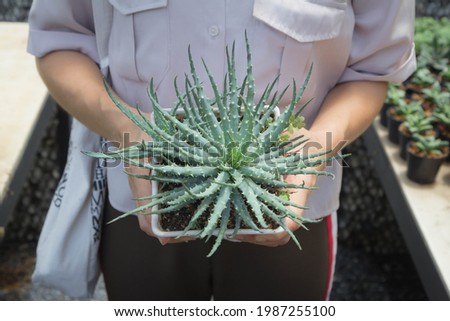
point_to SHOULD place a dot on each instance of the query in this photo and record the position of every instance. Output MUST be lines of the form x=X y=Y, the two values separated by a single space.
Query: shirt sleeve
x=382 y=43
x=61 y=25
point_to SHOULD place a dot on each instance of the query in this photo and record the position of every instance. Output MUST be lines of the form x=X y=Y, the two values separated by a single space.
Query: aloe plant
x=227 y=155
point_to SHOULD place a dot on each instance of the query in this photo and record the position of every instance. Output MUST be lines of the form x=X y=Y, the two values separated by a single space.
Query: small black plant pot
x=393 y=125
x=383 y=115
x=403 y=141
x=444 y=137
x=423 y=170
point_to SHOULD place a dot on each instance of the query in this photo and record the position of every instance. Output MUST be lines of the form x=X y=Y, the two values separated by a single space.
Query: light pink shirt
x=346 y=40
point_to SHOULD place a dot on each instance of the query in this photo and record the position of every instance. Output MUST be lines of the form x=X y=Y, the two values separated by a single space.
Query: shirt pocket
x=307 y=27
x=139 y=40
x=303 y=20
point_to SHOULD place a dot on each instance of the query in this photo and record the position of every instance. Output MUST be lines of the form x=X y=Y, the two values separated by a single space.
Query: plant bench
x=25 y=110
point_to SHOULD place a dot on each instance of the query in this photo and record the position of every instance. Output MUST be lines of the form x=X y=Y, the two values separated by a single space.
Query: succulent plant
x=418 y=123
x=423 y=76
x=430 y=145
x=227 y=154
x=442 y=113
x=403 y=109
x=435 y=94
x=395 y=94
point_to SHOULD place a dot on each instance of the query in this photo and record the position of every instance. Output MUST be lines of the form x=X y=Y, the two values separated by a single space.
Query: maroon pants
x=137 y=267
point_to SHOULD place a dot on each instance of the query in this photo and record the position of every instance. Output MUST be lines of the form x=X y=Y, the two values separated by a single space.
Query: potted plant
x=395 y=95
x=434 y=96
x=441 y=116
x=414 y=124
x=425 y=156
x=220 y=167
x=398 y=114
x=422 y=78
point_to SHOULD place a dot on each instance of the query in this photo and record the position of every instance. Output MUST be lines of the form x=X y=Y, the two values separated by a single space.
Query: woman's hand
x=141 y=188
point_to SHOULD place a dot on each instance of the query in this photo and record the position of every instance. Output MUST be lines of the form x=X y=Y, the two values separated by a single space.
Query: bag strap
x=103 y=16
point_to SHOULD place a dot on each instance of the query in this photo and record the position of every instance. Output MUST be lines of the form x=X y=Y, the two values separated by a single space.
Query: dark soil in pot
x=178 y=221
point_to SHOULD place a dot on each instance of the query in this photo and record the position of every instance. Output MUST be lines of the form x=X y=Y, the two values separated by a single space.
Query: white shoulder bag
x=67 y=251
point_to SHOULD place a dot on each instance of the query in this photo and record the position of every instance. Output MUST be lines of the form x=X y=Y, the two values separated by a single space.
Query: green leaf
x=222 y=201
x=223 y=228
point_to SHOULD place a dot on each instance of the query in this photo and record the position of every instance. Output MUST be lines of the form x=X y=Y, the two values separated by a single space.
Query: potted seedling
x=434 y=96
x=425 y=156
x=220 y=167
x=422 y=78
x=398 y=114
x=395 y=95
x=414 y=124
x=441 y=116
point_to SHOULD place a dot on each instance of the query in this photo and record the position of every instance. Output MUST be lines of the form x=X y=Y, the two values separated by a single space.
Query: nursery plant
x=425 y=156
x=422 y=78
x=435 y=96
x=395 y=96
x=441 y=116
x=222 y=160
x=432 y=40
x=397 y=114
x=414 y=124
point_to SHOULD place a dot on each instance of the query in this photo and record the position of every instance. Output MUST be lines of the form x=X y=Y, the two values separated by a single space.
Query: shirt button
x=214 y=31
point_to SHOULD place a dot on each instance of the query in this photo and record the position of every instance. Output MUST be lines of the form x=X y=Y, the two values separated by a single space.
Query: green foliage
x=442 y=114
x=430 y=145
x=418 y=123
x=395 y=94
x=423 y=77
x=225 y=154
x=436 y=95
x=445 y=74
x=404 y=109
x=432 y=40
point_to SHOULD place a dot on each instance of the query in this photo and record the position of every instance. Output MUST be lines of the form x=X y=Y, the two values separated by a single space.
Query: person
x=355 y=46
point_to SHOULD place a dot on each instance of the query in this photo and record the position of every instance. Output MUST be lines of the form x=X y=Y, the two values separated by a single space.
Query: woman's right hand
x=141 y=188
